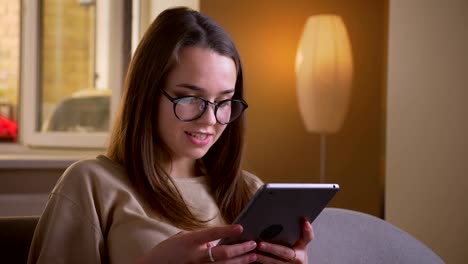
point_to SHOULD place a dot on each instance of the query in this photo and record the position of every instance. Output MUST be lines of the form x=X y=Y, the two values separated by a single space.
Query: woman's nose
x=209 y=116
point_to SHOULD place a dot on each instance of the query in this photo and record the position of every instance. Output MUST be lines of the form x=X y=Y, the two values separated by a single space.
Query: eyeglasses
x=189 y=108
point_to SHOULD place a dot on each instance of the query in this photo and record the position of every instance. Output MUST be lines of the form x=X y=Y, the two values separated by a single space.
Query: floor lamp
x=324 y=70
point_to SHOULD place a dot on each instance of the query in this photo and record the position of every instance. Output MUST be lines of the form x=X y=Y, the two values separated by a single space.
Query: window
x=73 y=93
x=62 y=65
x=9 y=69
x=71 y=72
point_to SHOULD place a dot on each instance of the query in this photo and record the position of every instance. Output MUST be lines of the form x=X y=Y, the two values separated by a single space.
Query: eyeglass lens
x=190 y=108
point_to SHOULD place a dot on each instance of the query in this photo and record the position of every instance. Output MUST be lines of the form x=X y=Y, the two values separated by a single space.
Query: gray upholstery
x=15 y=238
x=345 y=236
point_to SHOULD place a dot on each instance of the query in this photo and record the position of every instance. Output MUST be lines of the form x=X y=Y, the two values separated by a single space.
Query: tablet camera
x=270 y=232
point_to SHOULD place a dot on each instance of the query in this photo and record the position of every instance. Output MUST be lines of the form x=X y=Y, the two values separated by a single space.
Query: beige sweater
x=95 y=215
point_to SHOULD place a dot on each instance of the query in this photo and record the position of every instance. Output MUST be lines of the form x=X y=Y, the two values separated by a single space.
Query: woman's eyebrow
x=198 y=88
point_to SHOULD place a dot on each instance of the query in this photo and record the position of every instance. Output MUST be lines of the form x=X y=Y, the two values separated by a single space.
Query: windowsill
x=16 y=156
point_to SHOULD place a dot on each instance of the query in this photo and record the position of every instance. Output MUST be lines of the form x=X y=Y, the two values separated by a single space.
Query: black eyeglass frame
x=175 y=101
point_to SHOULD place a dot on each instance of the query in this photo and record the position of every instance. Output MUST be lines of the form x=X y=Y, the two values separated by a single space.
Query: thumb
x=307 y=235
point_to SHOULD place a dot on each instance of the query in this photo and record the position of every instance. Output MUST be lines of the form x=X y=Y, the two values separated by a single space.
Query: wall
x=427 y=128
x=25 y=189
x=27 y=178
x=278 y=147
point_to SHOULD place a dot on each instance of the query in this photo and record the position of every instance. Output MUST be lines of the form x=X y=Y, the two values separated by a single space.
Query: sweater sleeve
x=65 y=235
x=69 y=230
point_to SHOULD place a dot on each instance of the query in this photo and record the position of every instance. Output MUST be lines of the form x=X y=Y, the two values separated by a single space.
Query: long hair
x=135 y=143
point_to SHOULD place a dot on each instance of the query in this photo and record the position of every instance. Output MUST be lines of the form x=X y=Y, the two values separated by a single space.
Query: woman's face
x=201 y=72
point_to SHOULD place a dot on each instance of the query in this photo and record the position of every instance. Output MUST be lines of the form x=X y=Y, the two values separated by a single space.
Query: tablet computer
x=275 y=212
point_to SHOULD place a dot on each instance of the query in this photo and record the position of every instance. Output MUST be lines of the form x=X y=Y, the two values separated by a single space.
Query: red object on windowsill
x=8 y=130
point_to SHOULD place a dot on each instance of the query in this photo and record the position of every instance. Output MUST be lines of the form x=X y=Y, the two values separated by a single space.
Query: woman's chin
x=198 y=154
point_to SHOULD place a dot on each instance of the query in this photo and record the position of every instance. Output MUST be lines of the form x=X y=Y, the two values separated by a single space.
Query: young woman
x=171 y=181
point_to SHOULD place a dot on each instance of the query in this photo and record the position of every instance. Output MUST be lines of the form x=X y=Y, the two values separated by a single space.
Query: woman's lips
x=199 y=139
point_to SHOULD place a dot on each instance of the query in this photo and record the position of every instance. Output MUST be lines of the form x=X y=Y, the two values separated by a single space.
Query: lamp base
x=323 y=153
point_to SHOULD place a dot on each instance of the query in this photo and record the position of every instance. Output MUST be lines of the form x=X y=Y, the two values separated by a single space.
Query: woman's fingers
x=231 y=251
x=307 y=235
x=244 y=259
x=197 y=247
x=282 y=254
x=214 y=233
x=237 y=253
x=279 y=251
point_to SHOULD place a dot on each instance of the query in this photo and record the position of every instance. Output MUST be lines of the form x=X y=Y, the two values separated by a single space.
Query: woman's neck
x=184 y=168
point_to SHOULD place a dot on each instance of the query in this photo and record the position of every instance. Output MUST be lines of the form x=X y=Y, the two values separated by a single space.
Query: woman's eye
x=222 y=99
x=189 y=100
x=226 y=104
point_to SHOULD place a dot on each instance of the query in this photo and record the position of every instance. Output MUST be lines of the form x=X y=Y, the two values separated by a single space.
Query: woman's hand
x=196 y=246
x=281 y=254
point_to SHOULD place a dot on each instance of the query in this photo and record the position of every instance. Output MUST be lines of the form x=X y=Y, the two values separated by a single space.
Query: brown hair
x=135 y=143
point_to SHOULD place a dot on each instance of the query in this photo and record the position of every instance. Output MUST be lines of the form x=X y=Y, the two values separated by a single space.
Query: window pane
x=9 y=69
x=74 y=96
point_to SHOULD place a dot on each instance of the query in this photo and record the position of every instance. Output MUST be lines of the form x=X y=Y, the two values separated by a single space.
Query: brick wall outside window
x=9 y=57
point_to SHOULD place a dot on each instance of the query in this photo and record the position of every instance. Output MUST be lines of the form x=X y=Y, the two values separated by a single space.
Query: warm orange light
x=324 y=69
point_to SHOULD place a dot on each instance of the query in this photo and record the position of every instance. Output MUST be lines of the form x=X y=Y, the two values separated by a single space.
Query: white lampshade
x=324 y=69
